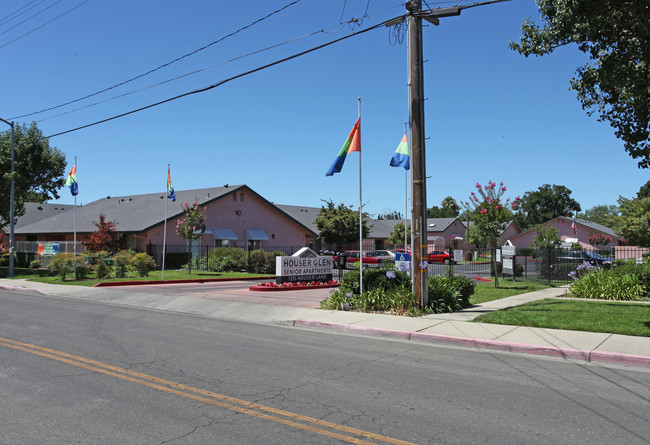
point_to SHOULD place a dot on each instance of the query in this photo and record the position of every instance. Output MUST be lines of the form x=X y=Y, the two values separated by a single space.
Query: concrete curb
x=549 y=351
x=22 y=289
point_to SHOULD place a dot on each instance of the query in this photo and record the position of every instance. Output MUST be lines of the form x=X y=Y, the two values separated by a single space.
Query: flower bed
x=302 y=285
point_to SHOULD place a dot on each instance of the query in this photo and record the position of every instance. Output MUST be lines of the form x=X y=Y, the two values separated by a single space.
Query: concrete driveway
x=236 y=291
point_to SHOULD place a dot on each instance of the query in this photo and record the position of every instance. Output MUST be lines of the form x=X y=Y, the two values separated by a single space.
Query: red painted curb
x=259 y=288
x=189 y=280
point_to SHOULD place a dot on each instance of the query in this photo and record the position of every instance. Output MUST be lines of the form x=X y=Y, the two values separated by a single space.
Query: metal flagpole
x=75 y=215
x=406 y=199
x=165 y=225
x=360 y=210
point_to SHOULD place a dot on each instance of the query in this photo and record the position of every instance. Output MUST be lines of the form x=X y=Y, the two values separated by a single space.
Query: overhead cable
x=210 y=87
x=161 y=66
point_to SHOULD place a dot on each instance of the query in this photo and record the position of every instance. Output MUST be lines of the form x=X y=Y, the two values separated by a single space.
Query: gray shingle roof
x=133 y=213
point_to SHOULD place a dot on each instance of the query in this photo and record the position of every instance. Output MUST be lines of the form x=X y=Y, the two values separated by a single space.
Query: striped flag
x=72 y=181
x=402 y=157
x=170 y=187
x=352 y=143
x=574 y=227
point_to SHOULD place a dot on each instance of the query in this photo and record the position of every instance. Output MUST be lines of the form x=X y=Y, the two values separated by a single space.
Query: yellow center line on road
x=223 y=401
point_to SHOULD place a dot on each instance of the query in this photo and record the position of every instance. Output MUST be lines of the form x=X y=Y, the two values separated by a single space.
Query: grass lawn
x=153 y=275
x=486 y=292
x=577 y=315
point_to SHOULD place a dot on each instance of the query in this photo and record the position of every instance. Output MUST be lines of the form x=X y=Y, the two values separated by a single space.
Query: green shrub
x=224 y=259
x=384 y=278
x=122 y=263
x=609 y=285
x=4 y=259
x=444 y=295
x=143 y=264
x=262 y=262
x=80 y=268
x=466 y=287
x=35 y=264
x=519 y=270
x=101 y=269
x=60 y=265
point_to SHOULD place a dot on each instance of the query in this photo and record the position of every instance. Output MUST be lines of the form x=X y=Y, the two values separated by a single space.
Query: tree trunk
x=494 y=267
x=189 y=257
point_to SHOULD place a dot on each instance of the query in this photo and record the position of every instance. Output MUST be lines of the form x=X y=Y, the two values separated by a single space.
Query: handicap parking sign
x=403 y=261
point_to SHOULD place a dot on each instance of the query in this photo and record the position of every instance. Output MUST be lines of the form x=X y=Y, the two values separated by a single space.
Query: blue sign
x=402 y=256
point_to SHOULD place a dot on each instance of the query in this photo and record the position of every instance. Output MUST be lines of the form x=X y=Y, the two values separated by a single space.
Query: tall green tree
x=490 y=215
x=546 y=203
x=615 y=85
x=390 y=214
x=39 y=170
x=340 y=224
x=635 y=221
x=546 y=237
x=449 y=208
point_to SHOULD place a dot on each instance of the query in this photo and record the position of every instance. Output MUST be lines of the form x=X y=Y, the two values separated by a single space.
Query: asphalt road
x=81 y=372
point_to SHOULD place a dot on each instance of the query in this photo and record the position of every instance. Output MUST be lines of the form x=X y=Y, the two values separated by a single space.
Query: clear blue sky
x=491 y=114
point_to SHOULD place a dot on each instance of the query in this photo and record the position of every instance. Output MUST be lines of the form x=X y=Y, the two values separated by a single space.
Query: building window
x=241 y=197
x=234 y=196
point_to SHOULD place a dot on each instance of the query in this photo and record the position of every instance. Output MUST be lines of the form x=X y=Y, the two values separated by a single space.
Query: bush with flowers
x=297 y=284
x=389 y=290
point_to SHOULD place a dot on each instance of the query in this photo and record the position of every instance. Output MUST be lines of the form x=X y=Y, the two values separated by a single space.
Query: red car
x=439 y=256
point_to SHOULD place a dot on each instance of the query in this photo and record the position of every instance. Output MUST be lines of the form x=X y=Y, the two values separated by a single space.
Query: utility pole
x=11 y=204
x=418 y=159
x=418 y=151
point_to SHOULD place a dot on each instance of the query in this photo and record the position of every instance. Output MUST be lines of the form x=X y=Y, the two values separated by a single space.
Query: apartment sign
x=304 y=265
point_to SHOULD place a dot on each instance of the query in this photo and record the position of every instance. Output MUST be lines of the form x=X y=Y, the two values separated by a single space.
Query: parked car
x=381 y=254
x=352 y=256
x=579 y=256
x=439 y=256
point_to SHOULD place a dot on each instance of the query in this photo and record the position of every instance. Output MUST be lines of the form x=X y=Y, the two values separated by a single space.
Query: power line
x=163 y=65
x=202 y=90
x=44 y=24
x=180 y=77
x=31 y=17
x=9 y=17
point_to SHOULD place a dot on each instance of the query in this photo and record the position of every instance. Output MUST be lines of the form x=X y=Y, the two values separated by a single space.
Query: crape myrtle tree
x=39 y=170
x=615 y=84
x=339 y=224
x=489 y=215
x=191 y=227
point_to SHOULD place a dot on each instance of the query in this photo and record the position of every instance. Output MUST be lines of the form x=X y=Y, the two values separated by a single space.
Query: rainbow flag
x=72 y=181
x=352 y=143
x=171 y=194
x=402 y=157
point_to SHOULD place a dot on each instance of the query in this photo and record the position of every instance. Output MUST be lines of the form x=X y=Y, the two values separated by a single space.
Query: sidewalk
x=452 y=329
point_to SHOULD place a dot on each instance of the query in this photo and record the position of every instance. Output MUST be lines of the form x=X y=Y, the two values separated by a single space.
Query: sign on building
x=48 y=249
x=304 y=265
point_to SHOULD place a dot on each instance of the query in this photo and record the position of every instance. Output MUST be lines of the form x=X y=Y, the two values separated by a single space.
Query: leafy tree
x=393 y=214
x=644 y=191
x=191 y=227
x=449 y=208
x=546 y=237
x=339 y=224
x=544 y=204
x=490 y=215
x=607 y=215
x=396 y=236
x=38 y=170
x=104 y=237
x=615 y=84
x=635 y=221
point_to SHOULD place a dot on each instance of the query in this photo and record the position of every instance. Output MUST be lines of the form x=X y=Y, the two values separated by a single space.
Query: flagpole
x=360 y=212
x=165 y=225
x=74 y=224
x=406 y=200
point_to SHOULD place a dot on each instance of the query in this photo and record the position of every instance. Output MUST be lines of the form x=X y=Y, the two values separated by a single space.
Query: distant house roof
x=382 y=228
